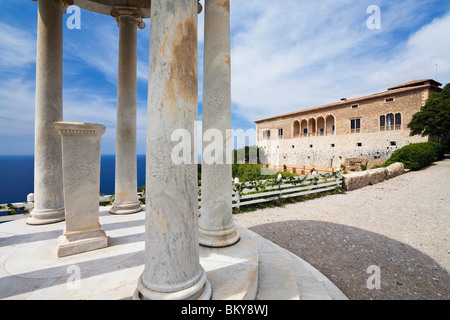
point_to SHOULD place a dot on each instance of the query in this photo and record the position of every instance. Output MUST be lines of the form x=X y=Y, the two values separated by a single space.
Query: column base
x=218 y=239
x=202 y=290
x=71 y=243
x=126 y=208
x=41 y=217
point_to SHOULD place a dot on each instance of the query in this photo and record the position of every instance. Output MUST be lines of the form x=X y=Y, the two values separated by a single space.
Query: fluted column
x=216 y=225
x=126 y=199
x=48 y=180
x=172 y=263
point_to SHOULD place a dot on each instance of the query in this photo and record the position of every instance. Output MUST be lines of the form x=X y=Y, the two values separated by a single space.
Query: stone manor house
x=364 y=130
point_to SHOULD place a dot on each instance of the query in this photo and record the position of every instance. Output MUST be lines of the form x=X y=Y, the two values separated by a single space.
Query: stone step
x=280 y=271
x=232 y=271
x=312 y=284
x=275 y=278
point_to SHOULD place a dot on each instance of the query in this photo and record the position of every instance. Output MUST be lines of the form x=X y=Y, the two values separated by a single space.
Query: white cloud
x=17 y=107
x=98 y=48
x=296 y=54
x=17 y=47
x=17 y=103
x=423 y=50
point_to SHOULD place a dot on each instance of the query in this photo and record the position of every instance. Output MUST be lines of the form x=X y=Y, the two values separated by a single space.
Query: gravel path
x=401 y=225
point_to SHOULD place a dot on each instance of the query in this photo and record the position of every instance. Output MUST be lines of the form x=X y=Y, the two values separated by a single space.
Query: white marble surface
x=216 y=224
x=172 y=255
x=126 y=200
x=30 y=268
x=81 y=145
x=48 y=184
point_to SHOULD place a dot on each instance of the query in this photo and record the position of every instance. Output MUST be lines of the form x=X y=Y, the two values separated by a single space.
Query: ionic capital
x=65 y=4
x=133 y=13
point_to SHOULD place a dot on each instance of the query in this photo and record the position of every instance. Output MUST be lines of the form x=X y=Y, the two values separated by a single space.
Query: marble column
x=48 y=180
x=126 y=199
x=81 y=145
x=216 y=226
x=172 y=264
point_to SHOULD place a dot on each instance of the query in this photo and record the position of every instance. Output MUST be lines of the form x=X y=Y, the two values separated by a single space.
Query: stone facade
x=369 y=127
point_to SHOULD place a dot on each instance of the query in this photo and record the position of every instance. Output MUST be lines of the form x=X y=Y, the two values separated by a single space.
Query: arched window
x=398 y=121
x=390 y=121
x=321 y=126
x=304 y=128
x=330 y=125
x=382 y=123
x=296 y=128
x=312 y=127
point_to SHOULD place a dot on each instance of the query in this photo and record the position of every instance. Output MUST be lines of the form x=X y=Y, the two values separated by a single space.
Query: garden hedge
x=417 y=155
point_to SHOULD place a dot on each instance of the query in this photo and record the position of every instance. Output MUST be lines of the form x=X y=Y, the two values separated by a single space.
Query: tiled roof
x=416 y=83
x=413 y=85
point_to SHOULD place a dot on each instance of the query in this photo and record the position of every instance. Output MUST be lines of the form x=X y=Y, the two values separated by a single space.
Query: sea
x=17 y=176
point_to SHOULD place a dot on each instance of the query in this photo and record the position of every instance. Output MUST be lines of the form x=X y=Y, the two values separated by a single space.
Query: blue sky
x=285 y=57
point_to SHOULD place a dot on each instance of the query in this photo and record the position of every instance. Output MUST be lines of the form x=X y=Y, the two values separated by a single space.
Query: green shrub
x=251 y=172
x=439 y=150
x=364 y=166
x=417 y=155
x=246 y=172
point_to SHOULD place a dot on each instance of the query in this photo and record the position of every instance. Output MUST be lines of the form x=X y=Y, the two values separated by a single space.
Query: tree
x=253 y=154
x=433 y=119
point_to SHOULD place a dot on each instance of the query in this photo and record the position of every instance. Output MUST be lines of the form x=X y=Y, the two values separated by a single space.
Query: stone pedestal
x=126 y=199
x=216 y=223
x=172 y=265
x=48 y=184
x=81 y=143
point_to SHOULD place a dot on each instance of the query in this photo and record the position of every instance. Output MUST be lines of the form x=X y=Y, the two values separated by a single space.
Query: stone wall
x=332 y=151
x=361 y=164
x=357 y=180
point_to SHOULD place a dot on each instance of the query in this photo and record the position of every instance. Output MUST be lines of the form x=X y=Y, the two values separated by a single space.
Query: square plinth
x=70 y=244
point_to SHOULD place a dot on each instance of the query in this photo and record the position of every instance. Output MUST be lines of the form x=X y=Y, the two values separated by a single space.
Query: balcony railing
x=390 y=128
x=314 y=134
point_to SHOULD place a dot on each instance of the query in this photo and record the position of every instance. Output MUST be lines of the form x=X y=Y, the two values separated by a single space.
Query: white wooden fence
x=271 y=190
